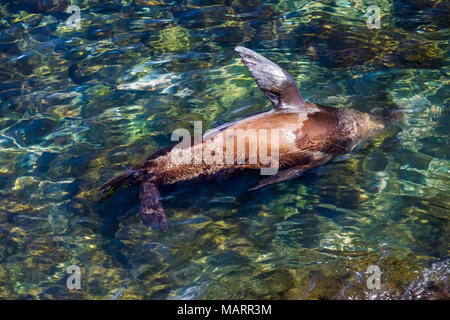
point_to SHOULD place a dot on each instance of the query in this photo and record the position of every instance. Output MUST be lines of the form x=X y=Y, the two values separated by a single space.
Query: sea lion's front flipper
x=282 y=175
x=275 y=82
x=152 y=211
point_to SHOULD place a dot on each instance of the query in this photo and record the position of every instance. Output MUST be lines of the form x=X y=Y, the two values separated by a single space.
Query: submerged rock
x=95 y=33
x=412 y=14
x=38 y=6
x=30 y=132
x=432 y=284
x=341 y=46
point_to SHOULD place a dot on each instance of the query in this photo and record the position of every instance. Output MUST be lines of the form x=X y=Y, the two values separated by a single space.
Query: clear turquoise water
x=73 y=114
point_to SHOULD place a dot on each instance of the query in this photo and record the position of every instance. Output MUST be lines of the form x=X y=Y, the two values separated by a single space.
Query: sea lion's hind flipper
x=282 y=175
x=152 y=211
x=275 y=82
x=115 y=181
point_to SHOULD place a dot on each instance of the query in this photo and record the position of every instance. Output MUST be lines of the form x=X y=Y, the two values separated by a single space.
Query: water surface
x=78 y=106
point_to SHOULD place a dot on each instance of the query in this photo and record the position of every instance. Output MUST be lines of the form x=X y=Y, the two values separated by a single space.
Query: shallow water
x=79 y=106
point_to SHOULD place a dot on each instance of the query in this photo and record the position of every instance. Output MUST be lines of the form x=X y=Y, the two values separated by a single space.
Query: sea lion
x=307 y=135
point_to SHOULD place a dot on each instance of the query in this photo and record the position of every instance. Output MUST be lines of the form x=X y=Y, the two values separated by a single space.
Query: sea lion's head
x=355 y=127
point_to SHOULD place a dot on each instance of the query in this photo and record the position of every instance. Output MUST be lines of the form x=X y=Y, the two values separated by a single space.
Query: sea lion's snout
x=387 y=116
x=366 y=127
x=373 y=126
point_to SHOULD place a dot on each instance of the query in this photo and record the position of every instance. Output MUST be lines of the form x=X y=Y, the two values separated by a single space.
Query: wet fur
x=310 y=135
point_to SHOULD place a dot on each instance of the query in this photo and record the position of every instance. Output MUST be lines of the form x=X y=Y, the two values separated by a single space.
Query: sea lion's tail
x=115 y=181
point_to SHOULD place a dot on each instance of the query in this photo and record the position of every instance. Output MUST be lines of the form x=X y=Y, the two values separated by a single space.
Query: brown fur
x=309 y=135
